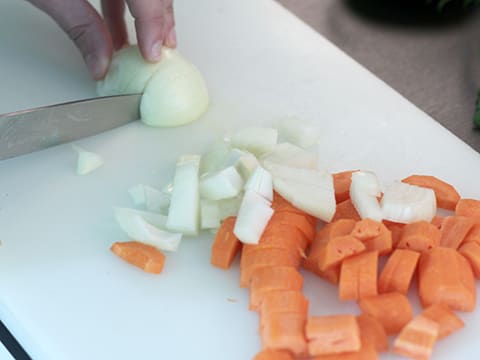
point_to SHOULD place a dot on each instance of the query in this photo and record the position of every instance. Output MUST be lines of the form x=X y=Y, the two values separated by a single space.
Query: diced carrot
x=294 y=251
x=269 y=278
x=358 y=276
x=396 y=229
x=283 y=301
x=446 y=195
x=474 y=234
x=274 y=355
x=263 y=257
x=297 y=220
x=284 y=331
x=346 y=210
x=417 y=338
x=366 y=229
x=338 y=249
x=372 y=332
x=146 y=257
x=454 y=229
x=471 y=251
x=448 y=322
x=397 y=273
x=419 y=236
x=226 y=245
x=279 y=204
x=468 y=207
x=446 y=277
x=332 y=334
x=284 y=233
x=437 y=221
x=331 y=230
x=341 y=184
x=381 y=243
x=367 y=352
x=392 y=310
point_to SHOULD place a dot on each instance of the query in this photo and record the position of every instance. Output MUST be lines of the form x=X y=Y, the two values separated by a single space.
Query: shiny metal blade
x=31 y=130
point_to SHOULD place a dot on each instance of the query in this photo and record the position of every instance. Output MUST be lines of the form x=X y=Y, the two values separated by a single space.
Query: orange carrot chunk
x=446 y=195
x=226 y=245
x=366 y=229
x=284 y=331
x=446 y=277
x=396 y=230
x=471 y=252
x=417 y=338
x=468 y=207
x=398 y=271
x=279 y=204
x=341 y=184
x=419 y=236
x=146 y=257
x=298 y=221
x=437 y=221
x=381 y=243
x=283 y=301
x=372 y=332
x=474 y=234
x=332 y=334
x=358 y=276
x=287 y=234
x=338 y=249
x=274 y=355
x=346 y=210
x=448 y=322
x=392 y=310
x=367 y=352
x=331 y=230
x=454 y=229
x=269 y=278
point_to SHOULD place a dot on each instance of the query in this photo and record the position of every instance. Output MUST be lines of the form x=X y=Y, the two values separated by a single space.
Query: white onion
x=256 y=140
x=298 y=132
x=364 y=190
x=405 y=203
x=215 y=157
x=209 y=214
x=123 y=214
x=246 y=165
x=290 y=155
x=222 y=184
x=153 y=199
x=87 y=161
x=229 y=207
x=261 y=182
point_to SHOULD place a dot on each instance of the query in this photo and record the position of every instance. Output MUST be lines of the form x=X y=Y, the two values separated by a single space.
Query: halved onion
x=364 y=190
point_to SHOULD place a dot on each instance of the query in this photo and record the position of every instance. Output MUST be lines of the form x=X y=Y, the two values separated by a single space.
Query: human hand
x=97 y=37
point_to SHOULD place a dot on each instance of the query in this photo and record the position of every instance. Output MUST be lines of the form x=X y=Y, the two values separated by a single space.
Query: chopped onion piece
x=246 y=165
x=229 y=207
x=405 y=203
x=261 y=182
x=87 y=161
x=290 y=155
x=298 y=132
x=215 y=158
x=223 y=184
x=153 y=199
x=137 y=227
x=209 y=214
x=233 y=156
x=123 y=214
x=184 y=210
x=256 y=140
x=253 y=216
x=364 y=190
x=137 y=193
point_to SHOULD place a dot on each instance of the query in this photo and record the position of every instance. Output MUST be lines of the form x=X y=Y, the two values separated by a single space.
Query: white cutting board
x=64 y=295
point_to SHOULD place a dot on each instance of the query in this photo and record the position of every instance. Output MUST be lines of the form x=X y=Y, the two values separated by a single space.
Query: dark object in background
x=476 y=116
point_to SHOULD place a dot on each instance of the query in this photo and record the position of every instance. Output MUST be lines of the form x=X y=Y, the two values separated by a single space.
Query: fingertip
x=97 y=65
x=171 y=39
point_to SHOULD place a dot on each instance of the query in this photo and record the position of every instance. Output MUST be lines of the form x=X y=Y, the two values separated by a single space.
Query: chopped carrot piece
x=381 y=243
x=392 y=310
x=341 y=184
x=366 y=229
x=446 y=277
x=367 y=352
x=474 y=234
x=437 y=221
x=346 y=210
x=358 y=276
x=338 y=249
x=146 y=257
x=274 y=355
x=419 y=236
x=448 y=322
x=417 y=338
x=396 y=230
x=297 y=220
x=284 y=233
x=331 y=230
x=226 y=245
x=294 y=251
x=372 y=332
x=279 y=204
x=269 y=278
x=468 y=207
x=446 y=195
x=283 y=301
x=471 y=252
x=332 y=334
x=284 y=331
x=454 y=229
x=397 y=273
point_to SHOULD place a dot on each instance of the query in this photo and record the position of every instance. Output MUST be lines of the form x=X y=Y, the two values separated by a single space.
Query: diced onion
x=209 y=214
x=364 y=190
x=246 y=165
x=290 y=155
x=153 y=199
x=261 y=182
x=256 y=140
x=298 y=132
x=87 y=161
x=223 y=184
x=229 y=207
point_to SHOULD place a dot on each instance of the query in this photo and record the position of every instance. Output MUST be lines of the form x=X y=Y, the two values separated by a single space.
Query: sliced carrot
x=295 y=251
x=448 y=322
x=471 y=251
x=398 y=271
x=419 y=236
x=280 y=204
x=396 y=229
x=297 y=220
x=446 y=277
x=283 y=301
x=274 y=355
x=392 y=310
x=341 y=184
x=226 y=245
x=338 y=249
x=381 y=243
x=332 y=334
x=446 y=195
x=468 y=207
x=331 y=230
x=367 y=352
x=417 y=338
x=372 y=332
x=358 y=276
x=474 y=234
x=437 y=221
x=146 y=257
x=366 y=229
x=284 y=233
x=454 y=229
x=284 y=331
x=346 y=210
x=269 y=278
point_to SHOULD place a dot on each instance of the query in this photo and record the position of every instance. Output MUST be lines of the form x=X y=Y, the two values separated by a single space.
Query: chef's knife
x=27 y=131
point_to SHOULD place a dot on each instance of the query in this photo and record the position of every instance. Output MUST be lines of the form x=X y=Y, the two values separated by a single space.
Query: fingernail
x=97 y=66
x=172 y=38
x=156 y=51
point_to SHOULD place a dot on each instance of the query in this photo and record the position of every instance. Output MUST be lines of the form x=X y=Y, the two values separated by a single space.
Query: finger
x=171 y=35
x=150 y=26
x=85 y=27
x=113 y=12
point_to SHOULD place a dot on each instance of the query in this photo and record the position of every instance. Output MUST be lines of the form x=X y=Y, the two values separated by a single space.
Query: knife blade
x=26 y=131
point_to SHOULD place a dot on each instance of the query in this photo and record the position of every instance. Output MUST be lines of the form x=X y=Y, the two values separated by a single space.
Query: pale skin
x=97 y=37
